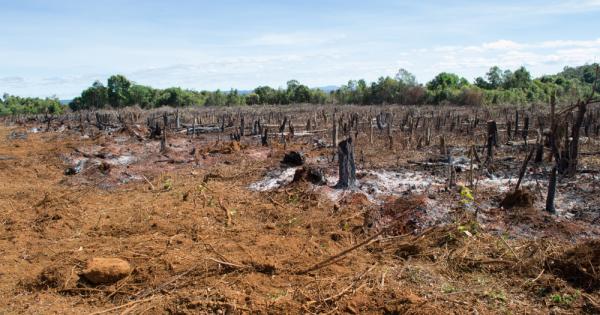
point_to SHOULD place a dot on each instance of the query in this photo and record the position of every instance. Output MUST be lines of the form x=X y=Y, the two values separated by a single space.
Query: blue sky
x=60 y=47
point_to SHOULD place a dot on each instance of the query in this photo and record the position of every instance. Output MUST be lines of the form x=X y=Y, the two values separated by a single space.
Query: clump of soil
x=579 y=265
x=520 y=198
x=310 y=174
x=106 y=270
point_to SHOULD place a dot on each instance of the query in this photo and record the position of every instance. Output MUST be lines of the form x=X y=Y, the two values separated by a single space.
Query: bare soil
x=200 y=240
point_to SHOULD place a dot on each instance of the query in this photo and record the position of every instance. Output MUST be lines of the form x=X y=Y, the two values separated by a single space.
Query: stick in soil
x=524 y=168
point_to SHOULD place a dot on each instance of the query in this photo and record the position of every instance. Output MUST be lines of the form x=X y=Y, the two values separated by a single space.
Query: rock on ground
x=106 y=270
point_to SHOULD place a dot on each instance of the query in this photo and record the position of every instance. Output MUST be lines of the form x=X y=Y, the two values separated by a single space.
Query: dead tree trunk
x=539 y=151
x=264 y=139
x=524 y=169
x=334 y=132
x=163 y=140
x=389 y=135
x=347 y=168
x=492 y=138
x=370 y=130
x=551 y=192
x=574 y=145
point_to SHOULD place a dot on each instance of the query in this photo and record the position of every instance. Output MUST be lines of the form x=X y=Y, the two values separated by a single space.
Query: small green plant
x=448 y=288
x=466 y=195
x=496 y=295
x=346 y=226
x=278 y=295
x=168 y=184
x=565 y=299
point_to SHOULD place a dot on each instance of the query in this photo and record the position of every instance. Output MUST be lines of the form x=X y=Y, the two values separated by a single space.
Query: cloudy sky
x=60 y=47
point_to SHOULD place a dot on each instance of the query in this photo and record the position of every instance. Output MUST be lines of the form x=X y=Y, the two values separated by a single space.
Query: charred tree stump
x=443 y=149
x=492 y=138
x=334 y=131
x=370 y=130
x=525 y=133
x=516 y=123
x=264 y=139
x=551 y=192
x=282 y=127
x=574 y=145
x=347 y=168
x=242 y=127
x=389 y=135
x=539 y=148
x=163 y=140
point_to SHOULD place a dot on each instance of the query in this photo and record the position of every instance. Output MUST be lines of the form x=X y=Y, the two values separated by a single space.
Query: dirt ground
x=199 y=240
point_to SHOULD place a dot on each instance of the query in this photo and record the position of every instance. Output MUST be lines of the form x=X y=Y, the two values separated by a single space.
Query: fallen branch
x=333 y=258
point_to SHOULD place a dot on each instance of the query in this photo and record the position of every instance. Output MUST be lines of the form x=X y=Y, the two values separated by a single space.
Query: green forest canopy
x=497 y=86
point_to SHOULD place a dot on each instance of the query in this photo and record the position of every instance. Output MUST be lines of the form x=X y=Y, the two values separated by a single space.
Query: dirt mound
x=519 y=198
x=579 y=265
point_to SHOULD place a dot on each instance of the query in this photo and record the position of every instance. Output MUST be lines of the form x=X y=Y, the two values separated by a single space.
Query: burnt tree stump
x=492 y=139
x=551 y=192
x=347 y=168
x=264 y=138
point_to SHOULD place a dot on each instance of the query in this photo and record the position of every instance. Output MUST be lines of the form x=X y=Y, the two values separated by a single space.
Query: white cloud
x=12 y=81
x=501 y=45
x=539 y=57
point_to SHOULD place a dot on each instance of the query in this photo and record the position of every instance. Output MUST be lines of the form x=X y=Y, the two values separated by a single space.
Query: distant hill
x=65 y=102
x=328 y=88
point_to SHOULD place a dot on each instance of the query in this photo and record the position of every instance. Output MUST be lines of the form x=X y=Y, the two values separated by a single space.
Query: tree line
x=10 y=104
x=496 y=87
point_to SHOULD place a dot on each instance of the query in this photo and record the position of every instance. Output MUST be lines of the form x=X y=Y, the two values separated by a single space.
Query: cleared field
x=208 y=218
